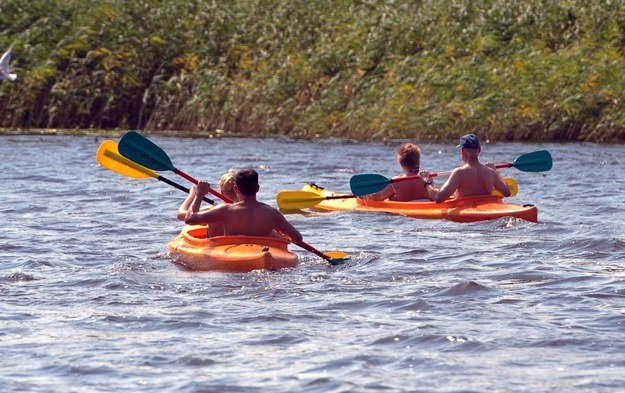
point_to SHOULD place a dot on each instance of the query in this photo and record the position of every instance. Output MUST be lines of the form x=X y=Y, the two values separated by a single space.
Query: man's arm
x=194 y=216
x=502 y=186
x=214 y=214
x=285 y=227
x=184 y=207
x=386 y=193
x=499 y=183
x=450 y=186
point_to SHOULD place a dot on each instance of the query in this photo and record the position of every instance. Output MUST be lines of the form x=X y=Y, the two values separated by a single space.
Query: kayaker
x=248 y=216
x=470 y=179
x=409 y=158
x=226 y=187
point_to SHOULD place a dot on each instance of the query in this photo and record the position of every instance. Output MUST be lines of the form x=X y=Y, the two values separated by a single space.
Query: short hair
x=247 y=181
x=409 y=155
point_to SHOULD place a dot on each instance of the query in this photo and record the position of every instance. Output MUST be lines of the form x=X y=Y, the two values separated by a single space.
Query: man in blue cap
x=471 y=179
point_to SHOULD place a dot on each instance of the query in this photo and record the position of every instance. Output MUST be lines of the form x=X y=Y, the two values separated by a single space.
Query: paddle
x=145 y=152
x=365 y=184
x=141 y=150
x=108 y=156
x=295 y=200
x=333 y=257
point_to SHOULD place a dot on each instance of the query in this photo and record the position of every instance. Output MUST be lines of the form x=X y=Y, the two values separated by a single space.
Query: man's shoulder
x=463 y=173
x=262 y=205
x=258 y=205
x=459 y=170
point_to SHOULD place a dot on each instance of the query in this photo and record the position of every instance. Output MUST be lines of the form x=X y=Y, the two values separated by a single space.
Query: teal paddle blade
x=368 y=183
x=536 y=161
x=141 y=150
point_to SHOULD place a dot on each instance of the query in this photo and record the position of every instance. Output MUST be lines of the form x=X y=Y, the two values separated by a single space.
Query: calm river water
x=92 y=303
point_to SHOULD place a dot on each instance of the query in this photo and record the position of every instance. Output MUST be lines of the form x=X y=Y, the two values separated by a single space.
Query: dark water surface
x=92 y=303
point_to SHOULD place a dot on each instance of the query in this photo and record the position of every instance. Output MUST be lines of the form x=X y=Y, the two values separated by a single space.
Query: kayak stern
x=194 y=251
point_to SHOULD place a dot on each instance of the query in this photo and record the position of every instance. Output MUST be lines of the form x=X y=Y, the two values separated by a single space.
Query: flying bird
x=4 y=66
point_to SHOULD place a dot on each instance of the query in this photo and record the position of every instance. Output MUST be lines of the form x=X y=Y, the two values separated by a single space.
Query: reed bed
x=368 y=69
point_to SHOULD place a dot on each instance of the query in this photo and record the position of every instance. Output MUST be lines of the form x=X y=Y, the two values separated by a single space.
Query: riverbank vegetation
x=363 y=69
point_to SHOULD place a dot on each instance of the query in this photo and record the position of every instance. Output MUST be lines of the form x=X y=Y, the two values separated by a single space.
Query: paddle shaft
x=194 y=181
x=310 y=248
x=121 y=159
x=340 y=196
x=435 y=174
x=182 y=188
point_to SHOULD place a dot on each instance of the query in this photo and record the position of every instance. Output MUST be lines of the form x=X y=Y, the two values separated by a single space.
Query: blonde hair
x=227 y=182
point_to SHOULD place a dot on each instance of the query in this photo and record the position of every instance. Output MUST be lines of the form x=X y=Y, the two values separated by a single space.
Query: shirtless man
x=409 y=158
x=471 y=179
x=245 y=217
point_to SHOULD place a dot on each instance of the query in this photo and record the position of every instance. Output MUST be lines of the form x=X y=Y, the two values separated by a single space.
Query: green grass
x=430 y=70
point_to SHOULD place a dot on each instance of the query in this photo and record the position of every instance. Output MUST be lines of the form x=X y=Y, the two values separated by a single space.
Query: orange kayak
x=480 y=208
x=194 y=251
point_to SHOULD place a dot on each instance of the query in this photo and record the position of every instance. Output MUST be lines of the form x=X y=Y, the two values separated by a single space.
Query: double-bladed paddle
x=138 y=148
x=295 y=200
x=143 y=151
x=365 y=184
x=108 y=156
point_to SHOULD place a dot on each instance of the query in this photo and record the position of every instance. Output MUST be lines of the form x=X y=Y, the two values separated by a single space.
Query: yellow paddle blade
x=512 y=185
x=337 y=257
x=337 y=254
x=293 y=200
x=108 y=156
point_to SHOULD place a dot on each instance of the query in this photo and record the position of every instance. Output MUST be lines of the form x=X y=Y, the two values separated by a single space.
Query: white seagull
x=4 y=66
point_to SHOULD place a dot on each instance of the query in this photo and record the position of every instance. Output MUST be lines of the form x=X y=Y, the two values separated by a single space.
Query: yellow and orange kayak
x=192 y=249
x=480 y=208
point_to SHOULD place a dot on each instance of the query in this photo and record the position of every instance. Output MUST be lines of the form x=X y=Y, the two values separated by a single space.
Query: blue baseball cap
x=469 y=141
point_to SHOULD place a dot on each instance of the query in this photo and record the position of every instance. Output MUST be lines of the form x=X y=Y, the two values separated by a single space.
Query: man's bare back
x=470 y=179
x=247 y=217
x=250 y=218
x=474 y=180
